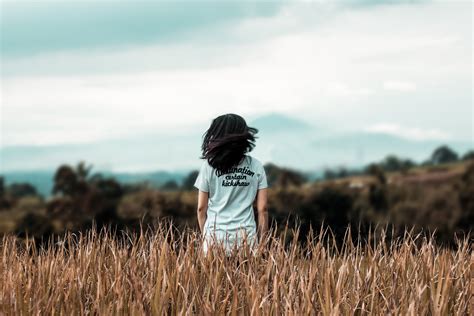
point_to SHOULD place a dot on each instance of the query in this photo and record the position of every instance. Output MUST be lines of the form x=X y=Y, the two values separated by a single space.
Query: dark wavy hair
x=226 y=141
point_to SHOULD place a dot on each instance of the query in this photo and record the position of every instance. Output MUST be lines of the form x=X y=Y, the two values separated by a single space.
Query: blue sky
x=42 y=27
x=78 y=72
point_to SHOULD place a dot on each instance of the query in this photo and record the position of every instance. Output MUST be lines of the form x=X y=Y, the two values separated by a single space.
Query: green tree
x=170 y=185
x=65 y=181
x=188 y=183
x=377 y=171
x=71 y=181
x=466 y=198
x=2 y=187
x=468 y=156
x=19 y=190
x=84 y=197
x=331 y=205
x=394 y=163
x=329 y=174
x=444 y=154
x=284 y=177
x=5 y=202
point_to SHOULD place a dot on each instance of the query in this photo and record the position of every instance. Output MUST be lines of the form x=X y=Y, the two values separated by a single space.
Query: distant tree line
x=276 y=176
x=441 y=155
x=81 y=199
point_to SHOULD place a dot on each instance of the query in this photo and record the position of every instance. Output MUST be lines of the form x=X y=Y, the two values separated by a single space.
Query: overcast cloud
x=74 y=72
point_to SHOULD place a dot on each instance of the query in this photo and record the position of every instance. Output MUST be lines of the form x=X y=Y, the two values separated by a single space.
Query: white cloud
x=340 y=89
x=413 y=133
x=399 y=86
x=336 y=66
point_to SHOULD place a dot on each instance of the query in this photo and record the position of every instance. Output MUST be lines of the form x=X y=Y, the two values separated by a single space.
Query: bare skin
x=262 y=210
x=203 y=199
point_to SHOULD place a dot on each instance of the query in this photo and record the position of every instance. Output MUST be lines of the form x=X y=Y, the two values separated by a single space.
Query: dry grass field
x=163 y=272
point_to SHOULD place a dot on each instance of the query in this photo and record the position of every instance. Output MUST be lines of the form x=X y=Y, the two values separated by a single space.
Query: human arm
x=262 y=212
x=203 y=199
x=202 y=184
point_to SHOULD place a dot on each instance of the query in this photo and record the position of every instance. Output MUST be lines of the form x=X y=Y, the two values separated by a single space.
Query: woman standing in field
x=229 y=182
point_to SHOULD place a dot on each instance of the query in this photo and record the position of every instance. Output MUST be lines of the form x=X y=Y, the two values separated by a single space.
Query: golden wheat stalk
x=163 y=272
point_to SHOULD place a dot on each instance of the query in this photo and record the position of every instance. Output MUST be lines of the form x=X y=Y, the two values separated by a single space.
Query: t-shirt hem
x=201 y=189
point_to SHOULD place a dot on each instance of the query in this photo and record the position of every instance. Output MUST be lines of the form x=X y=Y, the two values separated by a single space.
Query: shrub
x=444 y=154
x=329 y=205
x=466 y=199
x=468 y=156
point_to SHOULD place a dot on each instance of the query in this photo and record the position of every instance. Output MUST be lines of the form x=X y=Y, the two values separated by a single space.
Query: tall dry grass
x=163 y=272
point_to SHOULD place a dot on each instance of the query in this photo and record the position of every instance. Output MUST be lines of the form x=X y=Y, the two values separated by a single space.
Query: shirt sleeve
x=262 y=179
x=202 y=180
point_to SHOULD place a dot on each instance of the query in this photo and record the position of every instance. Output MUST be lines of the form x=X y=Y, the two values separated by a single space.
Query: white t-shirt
x=230 y=212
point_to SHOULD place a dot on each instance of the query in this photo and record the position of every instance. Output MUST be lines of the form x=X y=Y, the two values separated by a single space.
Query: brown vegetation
x=162 y=272
x=434 y=196
x=438 y=201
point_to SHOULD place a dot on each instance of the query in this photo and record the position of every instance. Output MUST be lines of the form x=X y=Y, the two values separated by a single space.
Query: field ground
x=162 y=272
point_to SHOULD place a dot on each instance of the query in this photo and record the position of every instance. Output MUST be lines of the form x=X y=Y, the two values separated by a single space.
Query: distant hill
x=275 y=123
x=284 y=140
x=361 y=148
x=295 y=143
x=352 y=151
x=43 y=180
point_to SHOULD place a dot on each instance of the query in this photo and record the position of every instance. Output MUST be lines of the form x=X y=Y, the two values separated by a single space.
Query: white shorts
x=229 y=239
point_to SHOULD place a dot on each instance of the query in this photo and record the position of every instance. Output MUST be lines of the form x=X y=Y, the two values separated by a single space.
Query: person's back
x=229 y=181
